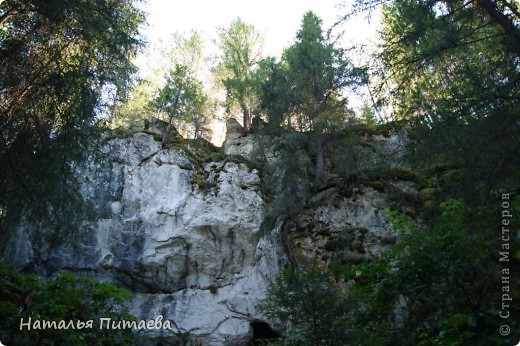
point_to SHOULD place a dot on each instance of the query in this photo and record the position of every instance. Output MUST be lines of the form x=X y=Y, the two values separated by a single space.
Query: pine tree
x=59 y=62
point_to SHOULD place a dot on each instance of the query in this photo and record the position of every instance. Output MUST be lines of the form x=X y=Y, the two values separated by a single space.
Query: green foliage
x=183 y=100
x=346 y=165
x=285 y=176
x=180 y=67
x=438 y=285
x=273 y=92
x=60 y=63
x=67 y=297
x=202 y=181
x=240 y=46
x=309 y=308
x=304 y=88
x=316 y=71
x=136 y=108
x=455 y=74
x=276 y=342
x=285 y=159
x=367 y=115
x=187 y=51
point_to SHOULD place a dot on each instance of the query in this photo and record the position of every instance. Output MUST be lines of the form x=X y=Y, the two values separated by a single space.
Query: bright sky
x=277 y=20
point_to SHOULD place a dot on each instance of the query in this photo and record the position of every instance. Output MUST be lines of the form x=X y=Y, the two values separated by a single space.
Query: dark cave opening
x=262 y=331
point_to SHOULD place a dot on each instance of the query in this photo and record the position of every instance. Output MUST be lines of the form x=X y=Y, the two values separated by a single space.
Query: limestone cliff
x=191 y=253
x=186 y=236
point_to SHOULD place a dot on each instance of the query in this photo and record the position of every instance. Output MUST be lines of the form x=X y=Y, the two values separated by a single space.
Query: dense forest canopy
x=61 y=62
x=452 y=69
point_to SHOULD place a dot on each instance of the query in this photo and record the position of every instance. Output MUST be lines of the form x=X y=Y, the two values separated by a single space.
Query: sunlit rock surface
x=184 y=237
x=188 y=237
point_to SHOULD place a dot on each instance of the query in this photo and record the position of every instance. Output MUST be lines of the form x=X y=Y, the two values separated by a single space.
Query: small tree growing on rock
x=183 y=100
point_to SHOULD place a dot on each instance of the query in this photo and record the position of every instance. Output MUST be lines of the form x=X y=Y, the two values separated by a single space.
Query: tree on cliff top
x=305 y=88
x=241 y=47
x=180 y=65
x=183 y=100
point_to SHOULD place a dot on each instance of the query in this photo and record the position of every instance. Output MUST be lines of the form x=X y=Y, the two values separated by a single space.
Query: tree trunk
x=168 y=129
x=320 y=163
x=170 y=119
x=504 y=22
x=247 y=119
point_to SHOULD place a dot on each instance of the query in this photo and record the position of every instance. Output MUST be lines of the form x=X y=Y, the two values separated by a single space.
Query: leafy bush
x=309 y=309
x=439 y=285
x=67 y=297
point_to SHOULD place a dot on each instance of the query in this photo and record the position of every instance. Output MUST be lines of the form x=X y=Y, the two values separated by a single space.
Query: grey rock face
x=190 y=252
x=185 y=237
x=233 y=129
